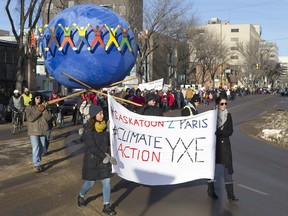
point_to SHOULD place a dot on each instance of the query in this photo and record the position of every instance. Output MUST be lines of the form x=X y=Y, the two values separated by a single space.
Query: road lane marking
x=252 y=189
x=234 y=107
x=279 y=167
x=262 y=113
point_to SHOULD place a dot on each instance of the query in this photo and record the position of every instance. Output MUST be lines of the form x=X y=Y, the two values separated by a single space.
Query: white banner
x=156 y=85
x=154 y=150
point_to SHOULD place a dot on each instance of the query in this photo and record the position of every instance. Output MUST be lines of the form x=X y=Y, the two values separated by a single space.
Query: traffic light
x=257 y=66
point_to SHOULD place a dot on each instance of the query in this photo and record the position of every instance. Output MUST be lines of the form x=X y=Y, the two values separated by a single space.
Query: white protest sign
x=156 y=85
x=154 y=150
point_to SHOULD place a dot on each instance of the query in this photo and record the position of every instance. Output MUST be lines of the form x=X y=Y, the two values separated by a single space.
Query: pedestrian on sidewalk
x=97 y=160
x=37 y=124
x=223 y=148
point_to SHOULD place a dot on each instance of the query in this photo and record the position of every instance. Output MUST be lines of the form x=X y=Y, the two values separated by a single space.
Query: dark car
x=7 y=114
x=69 y=105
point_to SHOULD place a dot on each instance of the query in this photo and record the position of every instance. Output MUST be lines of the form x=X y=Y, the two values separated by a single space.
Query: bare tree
x=209 y=55
x=257 y=64
x=29 y=15
x=162 y=19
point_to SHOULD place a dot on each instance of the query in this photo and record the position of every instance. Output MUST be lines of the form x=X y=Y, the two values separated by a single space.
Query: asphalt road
x=260 y=177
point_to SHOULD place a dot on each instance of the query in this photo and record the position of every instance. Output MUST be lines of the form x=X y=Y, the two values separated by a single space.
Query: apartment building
x=232 y=34
x=283 y=60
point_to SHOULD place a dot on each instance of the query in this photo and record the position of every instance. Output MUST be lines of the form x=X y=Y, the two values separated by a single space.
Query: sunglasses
x=222 y=104
x=38 y=97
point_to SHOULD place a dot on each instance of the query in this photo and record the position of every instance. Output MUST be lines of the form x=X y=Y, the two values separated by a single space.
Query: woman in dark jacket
x=223 y=148
x=97 y=160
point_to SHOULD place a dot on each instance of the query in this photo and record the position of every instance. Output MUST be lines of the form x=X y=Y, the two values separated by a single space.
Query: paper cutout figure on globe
x=94 y=64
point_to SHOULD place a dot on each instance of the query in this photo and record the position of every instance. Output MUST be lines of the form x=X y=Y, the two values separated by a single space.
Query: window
x=234 y=48
x=234 y=30
x=2 y=54
x=122 y=10
x=234 y=57
x=235 y=39
x=70 y=3
x=200 y=31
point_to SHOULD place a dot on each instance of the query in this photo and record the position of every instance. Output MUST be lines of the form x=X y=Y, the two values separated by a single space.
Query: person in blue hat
x=97 y=162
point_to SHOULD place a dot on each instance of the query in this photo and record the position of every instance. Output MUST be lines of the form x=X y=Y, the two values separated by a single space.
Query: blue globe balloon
x=96 y=66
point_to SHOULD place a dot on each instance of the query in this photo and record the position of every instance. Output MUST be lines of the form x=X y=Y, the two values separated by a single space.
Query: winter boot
x=107 y=210
x=230 y=193
x=81 y=201
x=211 y=191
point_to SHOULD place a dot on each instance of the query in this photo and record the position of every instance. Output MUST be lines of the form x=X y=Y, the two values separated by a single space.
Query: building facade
x=8 y=69
x=284 y=65
x=232 y=36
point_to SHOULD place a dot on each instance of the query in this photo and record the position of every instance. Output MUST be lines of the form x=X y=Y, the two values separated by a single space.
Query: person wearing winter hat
x=150 y=108
x=191 y=107
x=97 y=162
x=37 y=123
x=16 y=103
x=27 y=97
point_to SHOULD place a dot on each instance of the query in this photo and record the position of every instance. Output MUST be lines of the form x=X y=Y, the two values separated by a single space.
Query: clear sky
x=272 y=15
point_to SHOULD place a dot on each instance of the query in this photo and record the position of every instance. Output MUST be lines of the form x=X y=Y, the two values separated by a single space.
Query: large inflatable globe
x=99 y=65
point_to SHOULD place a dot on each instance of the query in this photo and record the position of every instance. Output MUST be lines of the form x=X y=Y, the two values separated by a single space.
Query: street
x=260 y=178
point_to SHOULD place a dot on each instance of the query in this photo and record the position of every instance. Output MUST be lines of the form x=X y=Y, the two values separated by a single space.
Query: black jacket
x=97 y=144
x=223 y=146
x=186 y=110
x=150 y=110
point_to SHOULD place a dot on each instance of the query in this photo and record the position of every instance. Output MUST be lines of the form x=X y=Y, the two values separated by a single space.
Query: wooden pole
x=116 y=83
x=117 y=98
x=93 y=90
x=76 y=80
x=63 y=98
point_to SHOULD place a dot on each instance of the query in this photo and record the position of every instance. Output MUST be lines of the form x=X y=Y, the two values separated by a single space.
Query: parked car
x=7 y=115
x=2 y=111
x=69 y=105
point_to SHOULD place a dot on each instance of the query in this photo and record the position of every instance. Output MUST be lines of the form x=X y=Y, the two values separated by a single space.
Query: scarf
x=100 y=126
x=221 y=118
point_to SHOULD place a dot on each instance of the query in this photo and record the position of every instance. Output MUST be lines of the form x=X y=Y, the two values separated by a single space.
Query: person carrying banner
x=223 y=148
x=97 y=160
x=150 y=107
x=191 y=107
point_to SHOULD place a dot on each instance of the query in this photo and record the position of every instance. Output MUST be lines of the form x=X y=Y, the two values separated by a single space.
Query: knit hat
x=94 y=110
x=195 y=98
x=15 y=91
x=151 y=96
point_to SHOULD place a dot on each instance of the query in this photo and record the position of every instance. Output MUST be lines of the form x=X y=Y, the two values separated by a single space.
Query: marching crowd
x=93 y=110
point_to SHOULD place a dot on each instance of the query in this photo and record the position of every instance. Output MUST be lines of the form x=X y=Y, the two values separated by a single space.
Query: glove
x=109 y=159
x=113 y=161
x=106 y=159
x=41 y=108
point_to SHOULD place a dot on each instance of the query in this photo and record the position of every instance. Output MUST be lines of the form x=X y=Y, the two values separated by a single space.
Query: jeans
x=47 y=141
x=227 y=176
x=84 y=120
x=38 y=143
x=105 y=188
